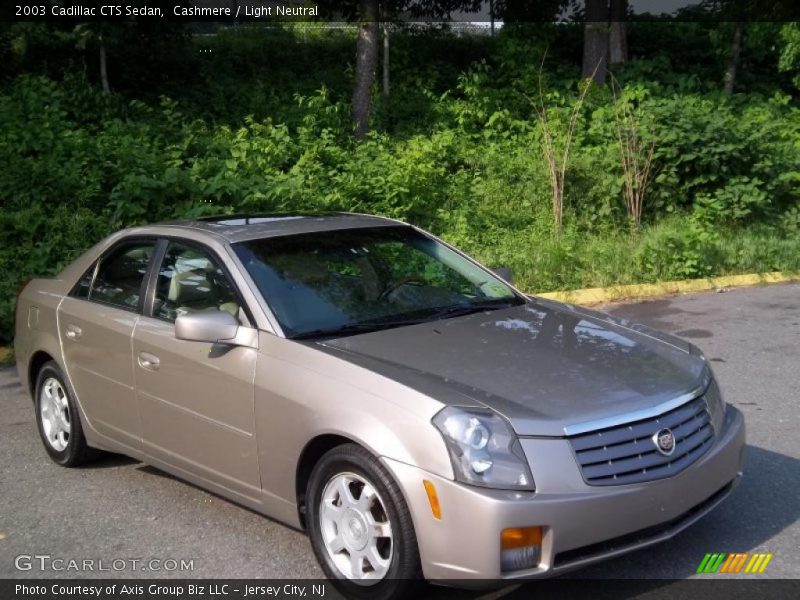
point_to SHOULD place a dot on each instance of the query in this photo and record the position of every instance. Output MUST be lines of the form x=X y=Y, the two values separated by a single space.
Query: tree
x=386 y=61
x=557 y=136
x=103 y=64
x=733 y=58
x=366 y=64
x=89 y=32
x=618 y=35
x=739 y=13
x=368 y=13
x=789 y=61
x=595 y=41
x=130 y=52
x=636 y=150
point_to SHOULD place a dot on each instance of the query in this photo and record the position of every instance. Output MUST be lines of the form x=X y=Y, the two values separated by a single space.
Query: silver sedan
x=356 y=377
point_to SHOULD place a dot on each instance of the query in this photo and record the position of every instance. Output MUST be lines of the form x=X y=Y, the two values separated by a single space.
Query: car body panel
x=242 y=228
x=543 y=368
x=661 y=336
x=325 y=395
x=100 y=364
x=197 y=405
x=37 y=325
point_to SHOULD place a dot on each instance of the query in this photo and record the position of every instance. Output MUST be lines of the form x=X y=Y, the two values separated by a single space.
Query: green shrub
x=261 y=123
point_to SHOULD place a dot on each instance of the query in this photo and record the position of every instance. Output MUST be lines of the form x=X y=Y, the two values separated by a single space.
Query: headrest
x=186 y=287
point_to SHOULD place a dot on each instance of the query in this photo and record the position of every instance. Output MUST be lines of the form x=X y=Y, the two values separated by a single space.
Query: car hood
x=549 y=368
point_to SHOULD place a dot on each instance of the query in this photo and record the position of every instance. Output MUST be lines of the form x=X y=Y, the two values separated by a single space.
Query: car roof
x=242 y=227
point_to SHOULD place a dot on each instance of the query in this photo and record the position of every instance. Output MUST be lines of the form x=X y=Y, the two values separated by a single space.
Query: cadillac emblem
x=664 y=441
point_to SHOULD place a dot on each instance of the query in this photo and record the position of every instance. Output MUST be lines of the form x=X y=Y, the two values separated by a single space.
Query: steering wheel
x=398 y=284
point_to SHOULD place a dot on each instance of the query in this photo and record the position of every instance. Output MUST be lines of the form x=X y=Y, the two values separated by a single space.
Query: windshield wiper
x=349 y=329
x=458 y=310
x=455 y=310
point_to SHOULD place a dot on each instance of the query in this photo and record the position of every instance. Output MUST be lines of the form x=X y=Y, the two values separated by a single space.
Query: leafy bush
x=263 y=125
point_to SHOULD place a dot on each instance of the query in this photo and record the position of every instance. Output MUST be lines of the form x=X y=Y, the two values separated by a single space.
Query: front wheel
x=360 y=527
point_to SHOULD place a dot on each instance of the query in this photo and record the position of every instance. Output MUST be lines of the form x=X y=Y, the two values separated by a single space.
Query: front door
x=195 y=398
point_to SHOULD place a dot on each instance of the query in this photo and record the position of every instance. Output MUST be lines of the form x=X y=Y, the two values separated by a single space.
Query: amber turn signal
x=433 y=499
x=520 y=537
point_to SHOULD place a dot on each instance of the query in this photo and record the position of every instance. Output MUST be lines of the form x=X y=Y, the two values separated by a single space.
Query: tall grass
x=576 y=260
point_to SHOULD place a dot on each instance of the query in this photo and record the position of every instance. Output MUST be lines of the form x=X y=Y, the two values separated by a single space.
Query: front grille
x=627 y=453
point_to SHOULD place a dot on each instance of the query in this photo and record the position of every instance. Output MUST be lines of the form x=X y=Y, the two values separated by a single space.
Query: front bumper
x=582 y=524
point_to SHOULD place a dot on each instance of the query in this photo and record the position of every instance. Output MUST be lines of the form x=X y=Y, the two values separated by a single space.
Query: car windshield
x=351 y=281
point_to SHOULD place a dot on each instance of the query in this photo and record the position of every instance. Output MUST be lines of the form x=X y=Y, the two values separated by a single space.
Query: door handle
x=73 y=332
x=149 y=361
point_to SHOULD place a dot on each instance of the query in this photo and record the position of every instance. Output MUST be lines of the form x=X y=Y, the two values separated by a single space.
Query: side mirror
x=504 y=274
x=214 y=327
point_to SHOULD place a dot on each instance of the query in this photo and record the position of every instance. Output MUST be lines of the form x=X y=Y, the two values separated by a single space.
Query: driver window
x=190 y=281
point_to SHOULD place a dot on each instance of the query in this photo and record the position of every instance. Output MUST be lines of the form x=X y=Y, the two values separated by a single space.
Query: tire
x=58 y=420
x=397 y=572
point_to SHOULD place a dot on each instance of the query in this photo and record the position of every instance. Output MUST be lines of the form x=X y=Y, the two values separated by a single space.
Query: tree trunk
x=733 y=61
x=103 y=65
x=385 y=69
x=618 y=34
x=595 y=41
x=366 y=64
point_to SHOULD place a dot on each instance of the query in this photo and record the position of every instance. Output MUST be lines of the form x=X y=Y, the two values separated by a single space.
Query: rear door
x=96 y=323
x=196 y=399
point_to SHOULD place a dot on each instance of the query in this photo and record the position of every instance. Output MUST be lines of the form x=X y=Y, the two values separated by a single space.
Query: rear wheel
x=360 y=527
x=57 y=419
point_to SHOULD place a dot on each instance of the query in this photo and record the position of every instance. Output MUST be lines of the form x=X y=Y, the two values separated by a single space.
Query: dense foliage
x=257 y=120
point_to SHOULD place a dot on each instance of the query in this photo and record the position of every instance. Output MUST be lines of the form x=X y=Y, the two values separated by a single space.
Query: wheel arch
x=37 y=361
x=315 y=449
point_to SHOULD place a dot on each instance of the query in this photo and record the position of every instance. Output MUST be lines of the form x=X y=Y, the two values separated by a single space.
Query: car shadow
x=110 y=460
x=151 y=470
x=758 y=509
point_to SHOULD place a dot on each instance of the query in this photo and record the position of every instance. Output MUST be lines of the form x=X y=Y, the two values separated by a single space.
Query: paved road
x=119 y=508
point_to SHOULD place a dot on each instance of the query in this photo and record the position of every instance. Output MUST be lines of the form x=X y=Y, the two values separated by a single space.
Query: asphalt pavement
x=118 y=508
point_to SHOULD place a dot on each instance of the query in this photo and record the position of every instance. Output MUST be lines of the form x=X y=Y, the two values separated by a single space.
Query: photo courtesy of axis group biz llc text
x=399 y=299
x=170 y=589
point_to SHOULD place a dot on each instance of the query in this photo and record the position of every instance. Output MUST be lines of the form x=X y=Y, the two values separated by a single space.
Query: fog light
x=520 y=548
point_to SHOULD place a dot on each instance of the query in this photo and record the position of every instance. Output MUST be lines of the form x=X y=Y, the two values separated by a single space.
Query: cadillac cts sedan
x=360 y=379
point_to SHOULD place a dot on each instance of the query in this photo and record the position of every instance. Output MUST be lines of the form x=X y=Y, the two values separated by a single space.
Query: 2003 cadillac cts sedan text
x=359 y=378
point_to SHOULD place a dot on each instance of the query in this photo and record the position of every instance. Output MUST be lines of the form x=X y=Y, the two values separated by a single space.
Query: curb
x=648 y=290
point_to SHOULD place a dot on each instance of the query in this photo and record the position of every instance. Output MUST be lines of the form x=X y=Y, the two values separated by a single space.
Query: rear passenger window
x=120 y=275
x=190 y=281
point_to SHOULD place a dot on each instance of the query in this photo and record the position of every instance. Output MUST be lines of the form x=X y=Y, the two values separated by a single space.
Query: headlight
x=484 y=449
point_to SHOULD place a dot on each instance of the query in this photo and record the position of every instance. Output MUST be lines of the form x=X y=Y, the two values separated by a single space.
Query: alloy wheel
x=356 y=530
x=54 y=413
